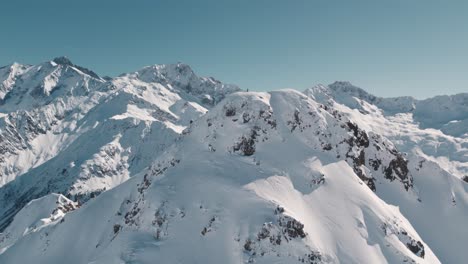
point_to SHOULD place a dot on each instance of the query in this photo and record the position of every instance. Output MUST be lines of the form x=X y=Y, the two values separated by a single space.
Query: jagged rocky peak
x=62 y=60
x=27 y=87
x=65 y=61
x=165 y=72
x=349 y=88
x=181 y=77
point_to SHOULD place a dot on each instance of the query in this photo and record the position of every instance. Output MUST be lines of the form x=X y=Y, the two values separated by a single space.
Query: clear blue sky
x=388 y=47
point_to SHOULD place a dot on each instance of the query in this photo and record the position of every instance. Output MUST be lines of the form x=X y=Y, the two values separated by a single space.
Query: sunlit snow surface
x=168 y=171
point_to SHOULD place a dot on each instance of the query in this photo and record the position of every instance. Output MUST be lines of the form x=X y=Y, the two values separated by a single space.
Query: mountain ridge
x=159 y=159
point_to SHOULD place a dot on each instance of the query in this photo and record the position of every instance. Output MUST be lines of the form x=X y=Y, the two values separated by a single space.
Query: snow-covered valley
x=160 y=165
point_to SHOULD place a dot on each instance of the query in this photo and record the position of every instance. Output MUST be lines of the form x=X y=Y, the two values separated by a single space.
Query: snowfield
x=163 y=165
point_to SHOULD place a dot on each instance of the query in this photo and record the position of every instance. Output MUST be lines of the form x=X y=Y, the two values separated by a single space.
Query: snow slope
x=166 y=165
x=223 y=187
x=438 y=160
x=86 y=135
x=435 y=128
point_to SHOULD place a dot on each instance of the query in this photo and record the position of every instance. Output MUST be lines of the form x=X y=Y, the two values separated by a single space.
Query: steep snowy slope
x=38 y=103
x=36 y=215
x=435 y=128
x=263 y=177
x=438 y=160
x=85 y=135
x=8 y=76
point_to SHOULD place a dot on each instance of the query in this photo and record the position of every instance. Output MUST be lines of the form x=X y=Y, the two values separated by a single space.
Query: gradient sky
x=388 y=47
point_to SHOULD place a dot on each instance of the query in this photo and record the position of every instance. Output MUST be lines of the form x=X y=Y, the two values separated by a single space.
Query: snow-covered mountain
x=82 y=135
x=434 y=128
x=161 y=164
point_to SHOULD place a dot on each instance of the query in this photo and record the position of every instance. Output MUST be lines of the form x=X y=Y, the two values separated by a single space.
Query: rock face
x=162 y=164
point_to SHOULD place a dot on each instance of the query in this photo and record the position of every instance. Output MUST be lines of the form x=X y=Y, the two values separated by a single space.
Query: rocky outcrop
x=272 y=236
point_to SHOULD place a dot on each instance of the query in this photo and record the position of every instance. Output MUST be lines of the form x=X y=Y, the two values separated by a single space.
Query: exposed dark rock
x=361 y=137
x=412 y=244
x=66 y=62
x=279 y=210
x=274 y=234
x=465 y=178
x=416 y=247
x=398 y=167
x=144 y=184
x=208 y=228
x=357 y=163
x=319 y=180
x=292 y=227
x=313 y=257
x=327 y=146
x=246 y=117
x=264 y=233
x=421 y=163
x=160 y=216
x=230 y=110
x=63 y=61
x=117 y=228
x=156 y=170
x=65 y=208
x=375 y=163
x=83 y=197
x=248 y=245
x=246 y=145
x=267 y=117
x=297 y=121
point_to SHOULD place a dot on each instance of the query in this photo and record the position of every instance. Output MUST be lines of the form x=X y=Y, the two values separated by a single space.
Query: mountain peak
x=178 y=71
x=65 y=61
x=181 y=76
x=62 y=60
x=342 y=84
x=346 y=86
x=168 y=70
